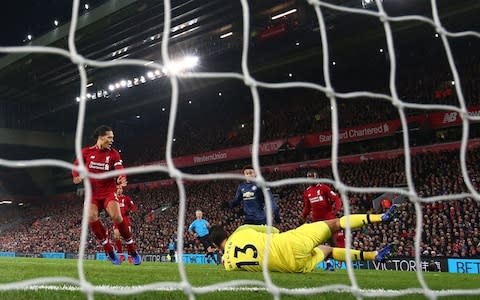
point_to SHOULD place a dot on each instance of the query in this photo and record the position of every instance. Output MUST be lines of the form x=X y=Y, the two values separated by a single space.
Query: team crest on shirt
x=254 y=188
x=107 y=165
x=248 y=195
x=92 y=157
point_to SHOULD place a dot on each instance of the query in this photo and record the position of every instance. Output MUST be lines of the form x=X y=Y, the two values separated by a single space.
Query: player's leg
x=356 y=255
x=208 y=248
x=360 y=220
x=113 y=209
x=118 y=242
x=211 y=254
x=100 y=232
x=332 y=242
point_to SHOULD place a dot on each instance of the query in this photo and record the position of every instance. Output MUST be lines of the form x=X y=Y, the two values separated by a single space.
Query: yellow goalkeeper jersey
x=291 y=251
x=244 y=249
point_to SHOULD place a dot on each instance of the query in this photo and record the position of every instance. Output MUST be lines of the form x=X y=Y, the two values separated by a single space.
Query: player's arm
x=258 y=228
x=334 y=198
x=131 y=206
x=238 y=198
x=76 y=176
x=191 y=228
x=306 y=207
x=118 y=165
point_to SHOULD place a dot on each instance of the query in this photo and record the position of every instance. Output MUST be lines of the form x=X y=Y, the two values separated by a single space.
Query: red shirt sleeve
x=306 y=205
x=75 y=173
x=334 y=198
x=131 y=206
x=117 y=162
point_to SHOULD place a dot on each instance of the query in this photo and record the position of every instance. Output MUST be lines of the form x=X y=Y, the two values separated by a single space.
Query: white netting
x=276 y=291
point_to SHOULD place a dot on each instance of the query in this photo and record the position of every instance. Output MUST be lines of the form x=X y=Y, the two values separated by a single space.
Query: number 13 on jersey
x=246 y=258
x=248 y=262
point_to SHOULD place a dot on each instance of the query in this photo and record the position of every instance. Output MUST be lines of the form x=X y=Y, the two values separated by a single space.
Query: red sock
x=118 y=246
x=101 y=234
x=127 y=235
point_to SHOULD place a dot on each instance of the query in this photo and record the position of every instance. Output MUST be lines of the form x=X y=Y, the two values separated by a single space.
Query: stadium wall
x=402 y=264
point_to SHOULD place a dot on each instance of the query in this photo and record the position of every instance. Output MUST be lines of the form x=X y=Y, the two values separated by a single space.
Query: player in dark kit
x=126 y=207
x=101 y=158
x=319 y=199
x=251 y=196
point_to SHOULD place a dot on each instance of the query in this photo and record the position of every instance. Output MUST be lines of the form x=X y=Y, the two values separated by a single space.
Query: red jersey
x=319 y=199
x=100 y=161
x=126 y=205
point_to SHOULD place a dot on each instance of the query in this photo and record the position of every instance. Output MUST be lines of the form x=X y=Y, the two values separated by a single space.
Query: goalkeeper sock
x=357 y=221
x=341 y=254
x=101 y=234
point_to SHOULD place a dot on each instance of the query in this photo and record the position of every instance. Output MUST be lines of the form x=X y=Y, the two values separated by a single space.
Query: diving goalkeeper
x=295 y=251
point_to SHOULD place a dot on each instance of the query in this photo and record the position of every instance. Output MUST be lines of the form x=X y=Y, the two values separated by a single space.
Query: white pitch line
x=71 y=288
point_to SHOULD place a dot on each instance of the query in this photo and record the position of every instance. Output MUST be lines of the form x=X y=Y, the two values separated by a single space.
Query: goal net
x=368 y=8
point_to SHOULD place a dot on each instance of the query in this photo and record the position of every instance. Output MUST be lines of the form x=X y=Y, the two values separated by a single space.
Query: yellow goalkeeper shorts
x=300 y=252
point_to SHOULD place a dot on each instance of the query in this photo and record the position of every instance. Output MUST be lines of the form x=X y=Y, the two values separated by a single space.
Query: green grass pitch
x=120 y=277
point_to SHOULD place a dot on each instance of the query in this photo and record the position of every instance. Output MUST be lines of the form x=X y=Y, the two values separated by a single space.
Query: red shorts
x=323 y=217
x=102 y=203
x=340 y=238
x=127 y=221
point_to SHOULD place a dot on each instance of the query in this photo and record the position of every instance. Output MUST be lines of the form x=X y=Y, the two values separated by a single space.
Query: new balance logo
x=450 y=117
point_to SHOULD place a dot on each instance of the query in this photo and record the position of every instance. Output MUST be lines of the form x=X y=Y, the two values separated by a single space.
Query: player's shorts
x=205 y=241
x=298 y=247
x=127 y=221
x=323 y=217
x=340 y=239
x=102 y=203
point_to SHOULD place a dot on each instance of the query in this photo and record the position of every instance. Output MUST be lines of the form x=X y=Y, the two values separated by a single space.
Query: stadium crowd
x=287 y=113
x=450 y=228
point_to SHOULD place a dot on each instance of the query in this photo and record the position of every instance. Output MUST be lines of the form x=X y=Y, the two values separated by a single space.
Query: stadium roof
x=49 y=84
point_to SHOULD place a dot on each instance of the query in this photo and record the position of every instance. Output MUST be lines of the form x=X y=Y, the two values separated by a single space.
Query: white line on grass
x=72 y=288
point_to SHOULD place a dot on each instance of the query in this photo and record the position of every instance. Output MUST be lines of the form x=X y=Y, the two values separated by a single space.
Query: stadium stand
x=450 y=228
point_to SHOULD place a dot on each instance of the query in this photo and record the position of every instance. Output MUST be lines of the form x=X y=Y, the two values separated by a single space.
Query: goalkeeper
x=253 y=200
x=295 y=251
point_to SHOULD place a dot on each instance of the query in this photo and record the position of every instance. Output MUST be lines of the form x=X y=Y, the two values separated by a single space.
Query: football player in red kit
x=101 y=158
x=319 y=200
x=126 y=207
